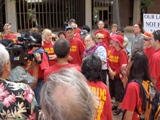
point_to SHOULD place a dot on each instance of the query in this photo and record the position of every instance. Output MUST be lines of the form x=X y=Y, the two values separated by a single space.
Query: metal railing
x=49 y=13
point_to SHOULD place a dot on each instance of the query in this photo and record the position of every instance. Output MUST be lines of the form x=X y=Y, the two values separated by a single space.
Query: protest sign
x=151 y=22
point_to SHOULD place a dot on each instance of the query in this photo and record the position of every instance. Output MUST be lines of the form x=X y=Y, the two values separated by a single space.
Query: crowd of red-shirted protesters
x=107 y=68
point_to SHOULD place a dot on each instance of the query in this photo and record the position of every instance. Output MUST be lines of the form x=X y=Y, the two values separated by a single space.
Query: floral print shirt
x=17 y=102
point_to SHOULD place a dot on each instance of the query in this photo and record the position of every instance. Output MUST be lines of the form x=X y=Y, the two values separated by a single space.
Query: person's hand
x=52 y=57
x=70 y=58
x=37 y=56
x=112 y=75
x=124 y=75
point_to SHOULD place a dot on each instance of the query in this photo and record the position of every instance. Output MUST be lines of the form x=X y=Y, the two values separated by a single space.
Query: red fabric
x=48 y=47
x=77 y=35
x=116 y=59
x=149 y=52
x=57 y=67
x=42 y=66
x=78 y=30
x=106 y=36
x=132 y=99
x=109 y=49
x=104 y=111
x=11 y=36
x=76 y=51
x=154 y=68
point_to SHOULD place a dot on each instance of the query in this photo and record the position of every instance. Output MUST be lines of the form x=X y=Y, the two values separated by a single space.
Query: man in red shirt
x=76 y=47
x=61 y=49
x=8 y=35
x=74 y=26
x=155 y=60
x=103 y=31
x=148 y=50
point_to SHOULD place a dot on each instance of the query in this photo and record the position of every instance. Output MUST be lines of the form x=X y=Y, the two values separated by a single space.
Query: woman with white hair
x=17 y=100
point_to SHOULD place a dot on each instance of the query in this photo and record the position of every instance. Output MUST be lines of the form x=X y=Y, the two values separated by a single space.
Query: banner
x=151 y=22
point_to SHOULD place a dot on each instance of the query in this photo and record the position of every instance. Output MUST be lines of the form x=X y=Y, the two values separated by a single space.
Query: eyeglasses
x=99 y=38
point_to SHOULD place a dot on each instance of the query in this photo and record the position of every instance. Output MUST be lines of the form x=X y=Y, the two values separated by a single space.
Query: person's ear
x=7 y=66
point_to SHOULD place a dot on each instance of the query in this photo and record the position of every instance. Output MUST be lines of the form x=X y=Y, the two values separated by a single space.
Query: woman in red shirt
x=91 y=68
x=117 y=58
x=48 y=46
x=132 y=101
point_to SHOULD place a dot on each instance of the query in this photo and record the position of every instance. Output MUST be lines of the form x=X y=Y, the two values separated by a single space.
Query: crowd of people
x=80 y=76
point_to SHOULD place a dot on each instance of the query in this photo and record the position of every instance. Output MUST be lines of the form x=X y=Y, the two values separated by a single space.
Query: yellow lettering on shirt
x=101 y=93
x=73 y=49
x=49 y=50
x=114 y=59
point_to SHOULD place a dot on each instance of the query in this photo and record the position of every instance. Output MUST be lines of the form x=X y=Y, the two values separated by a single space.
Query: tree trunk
x=116 y=16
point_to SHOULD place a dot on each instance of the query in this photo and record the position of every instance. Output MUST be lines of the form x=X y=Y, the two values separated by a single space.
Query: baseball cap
x=118 y=38
x=68 y=27
x=83 y=33
x=147 y=34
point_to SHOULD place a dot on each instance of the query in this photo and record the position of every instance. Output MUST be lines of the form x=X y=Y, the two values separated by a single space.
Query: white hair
x=4 y=57
x=44 y=32
x=66 y=96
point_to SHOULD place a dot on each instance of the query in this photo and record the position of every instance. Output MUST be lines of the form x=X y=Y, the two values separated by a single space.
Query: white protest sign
x=151 y=22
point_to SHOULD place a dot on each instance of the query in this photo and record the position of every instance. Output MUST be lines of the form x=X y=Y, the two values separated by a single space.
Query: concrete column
x=88 y=13
x=136 y=11
x=11 y=16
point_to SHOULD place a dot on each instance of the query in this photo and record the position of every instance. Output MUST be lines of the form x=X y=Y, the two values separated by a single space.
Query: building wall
x=156 y=8
x=126 y=12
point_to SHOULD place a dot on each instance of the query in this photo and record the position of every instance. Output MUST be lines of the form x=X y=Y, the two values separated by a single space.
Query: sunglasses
x=147 y=39
x=99 y=38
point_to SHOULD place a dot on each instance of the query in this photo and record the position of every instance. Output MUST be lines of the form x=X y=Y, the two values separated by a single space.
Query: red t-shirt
x=132 y=100
x=78 y=30
x=149 y=52
x=110 y=48
x=154 y=68
x=48 y=47
x=57 y=67
x=41 y=66
x=106 y=36
x=76 y=51
x=104 y=111
x=77 y=35
x=11 y=37
x=117 y=59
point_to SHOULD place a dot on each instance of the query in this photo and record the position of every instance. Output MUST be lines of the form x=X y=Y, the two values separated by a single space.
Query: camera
x=19 y=51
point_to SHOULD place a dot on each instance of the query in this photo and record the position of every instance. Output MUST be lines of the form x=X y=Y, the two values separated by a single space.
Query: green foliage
x=145 y=4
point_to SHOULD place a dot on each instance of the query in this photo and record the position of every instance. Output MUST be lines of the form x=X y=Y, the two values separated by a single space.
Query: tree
x=116 y=16
x=145 y=4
